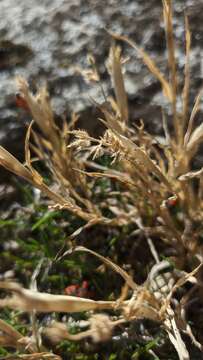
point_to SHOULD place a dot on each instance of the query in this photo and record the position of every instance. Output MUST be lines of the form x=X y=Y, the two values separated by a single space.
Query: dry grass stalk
x=191 y=123
x=29 y=300
x=9 y=336
x=128 y=279
x=117 y=77
x=149 y=63
x=167 y=12
x=12 y=164
x=36 y=356
x=186 y=88
x=101 y=328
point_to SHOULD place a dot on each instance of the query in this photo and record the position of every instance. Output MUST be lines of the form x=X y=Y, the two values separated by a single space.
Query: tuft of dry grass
x=152 y=179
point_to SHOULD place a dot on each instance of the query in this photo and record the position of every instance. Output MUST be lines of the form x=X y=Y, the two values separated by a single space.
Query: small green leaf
x=44 y=219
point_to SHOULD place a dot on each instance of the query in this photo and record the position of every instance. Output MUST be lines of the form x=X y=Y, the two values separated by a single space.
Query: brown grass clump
x=153 y=178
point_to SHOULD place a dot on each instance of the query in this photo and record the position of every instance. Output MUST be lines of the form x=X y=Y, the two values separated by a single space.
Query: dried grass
x=152 y=178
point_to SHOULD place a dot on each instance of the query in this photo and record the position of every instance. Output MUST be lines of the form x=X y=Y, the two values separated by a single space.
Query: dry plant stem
x=185 y=93
x=170 y=317
x=33 y=318
x=10 y=336
x=42 y=113
x=140 y=155
x=175 y=338
x=137 y=172
x=191 y=123
x=149 y=63
x=65 y=204
x=94 y=212
x=166 y=130
x=32 y=176
x=189 y=202
x=184 y=304
x=123 y=178
x=58 y=332
x=28 y=300
x=12 y=164
x=180 y=283
x=35 y=356
x=119 y=87
x=143 y=304
x=170 y=322
x=167 y=11
x=200 y=191
x=128 y=279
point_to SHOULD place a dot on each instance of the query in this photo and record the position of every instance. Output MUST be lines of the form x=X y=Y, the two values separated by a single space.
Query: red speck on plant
x=21 y=102
x=78 y=290
x=172 y=201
